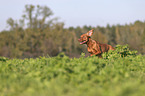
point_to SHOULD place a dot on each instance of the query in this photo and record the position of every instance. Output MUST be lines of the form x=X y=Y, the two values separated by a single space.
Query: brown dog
x=94 y=47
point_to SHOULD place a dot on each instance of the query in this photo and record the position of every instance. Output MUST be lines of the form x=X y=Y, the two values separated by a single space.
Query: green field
x=119 y=73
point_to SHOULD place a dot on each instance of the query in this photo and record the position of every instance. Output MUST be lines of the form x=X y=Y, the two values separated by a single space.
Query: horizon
x=83 y=13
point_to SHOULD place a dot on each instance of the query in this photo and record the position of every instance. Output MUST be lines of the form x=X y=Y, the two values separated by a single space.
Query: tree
x=36 y=16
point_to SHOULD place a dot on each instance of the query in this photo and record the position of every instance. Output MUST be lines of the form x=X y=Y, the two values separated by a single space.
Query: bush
x=120 y=51
x=3 y=59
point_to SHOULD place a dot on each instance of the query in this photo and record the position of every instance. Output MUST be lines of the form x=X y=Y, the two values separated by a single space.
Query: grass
x=64 y=76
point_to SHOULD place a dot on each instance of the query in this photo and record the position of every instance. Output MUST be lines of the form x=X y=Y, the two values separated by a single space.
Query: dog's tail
x=111 y=48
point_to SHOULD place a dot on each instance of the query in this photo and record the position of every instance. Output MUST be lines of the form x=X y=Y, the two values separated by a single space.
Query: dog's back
x=105 y=47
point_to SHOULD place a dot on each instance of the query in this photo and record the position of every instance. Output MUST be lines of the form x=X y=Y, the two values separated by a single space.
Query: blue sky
x=80 y=12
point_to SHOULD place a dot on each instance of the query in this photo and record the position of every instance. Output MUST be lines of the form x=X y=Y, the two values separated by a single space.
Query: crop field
x=118 y=73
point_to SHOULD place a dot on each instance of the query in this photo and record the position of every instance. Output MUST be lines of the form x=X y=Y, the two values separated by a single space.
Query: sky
x=79 y=12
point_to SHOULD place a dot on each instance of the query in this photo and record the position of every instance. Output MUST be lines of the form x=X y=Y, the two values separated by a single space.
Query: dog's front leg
x=98 y=53
x=91 y=54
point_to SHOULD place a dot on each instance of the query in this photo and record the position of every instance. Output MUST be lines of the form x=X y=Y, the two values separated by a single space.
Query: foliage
x=120 y=51
x=3 y=59
x=64 y=76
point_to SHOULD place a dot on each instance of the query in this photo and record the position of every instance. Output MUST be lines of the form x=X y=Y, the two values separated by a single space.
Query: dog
x=94 y=47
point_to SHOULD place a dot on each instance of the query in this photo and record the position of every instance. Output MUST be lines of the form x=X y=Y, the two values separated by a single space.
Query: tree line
x=38 y=33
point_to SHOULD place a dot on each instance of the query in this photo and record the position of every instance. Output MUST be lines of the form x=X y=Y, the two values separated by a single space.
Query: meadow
x=118 y=73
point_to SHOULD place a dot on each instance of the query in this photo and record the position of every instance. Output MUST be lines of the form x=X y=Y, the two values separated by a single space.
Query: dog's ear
x=90 y=32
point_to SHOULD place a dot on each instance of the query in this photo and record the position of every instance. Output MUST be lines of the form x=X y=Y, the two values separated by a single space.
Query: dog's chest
x=91 y=50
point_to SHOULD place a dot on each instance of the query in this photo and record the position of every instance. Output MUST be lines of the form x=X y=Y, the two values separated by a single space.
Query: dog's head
x=85 y=37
